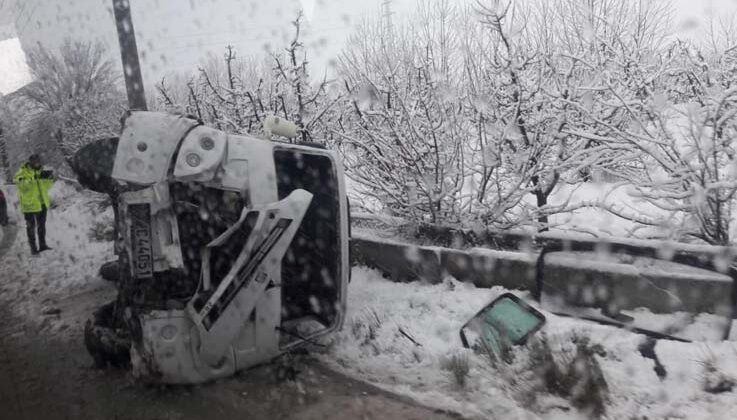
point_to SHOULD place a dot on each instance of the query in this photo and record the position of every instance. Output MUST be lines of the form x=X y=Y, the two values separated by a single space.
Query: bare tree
x=540 y=67
x=75 y=93
x=681 y=111
x=402 y=129
x=480 y=115
x=236 y=94
x=530 y=86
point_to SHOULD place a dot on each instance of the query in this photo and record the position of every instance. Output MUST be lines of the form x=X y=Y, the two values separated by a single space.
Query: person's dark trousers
x=36 y=223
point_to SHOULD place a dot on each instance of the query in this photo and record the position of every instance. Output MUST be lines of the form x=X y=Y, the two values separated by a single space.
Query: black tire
x=108 y=346
x=110 y=271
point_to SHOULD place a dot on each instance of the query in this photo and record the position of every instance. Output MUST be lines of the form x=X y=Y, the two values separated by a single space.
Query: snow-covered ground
x=371 y=347
x=34 y=283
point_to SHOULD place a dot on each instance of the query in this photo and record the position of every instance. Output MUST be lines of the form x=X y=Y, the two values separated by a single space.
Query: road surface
x=46 y=373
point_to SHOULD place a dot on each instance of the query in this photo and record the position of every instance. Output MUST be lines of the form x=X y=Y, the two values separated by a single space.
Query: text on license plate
x=141 y=240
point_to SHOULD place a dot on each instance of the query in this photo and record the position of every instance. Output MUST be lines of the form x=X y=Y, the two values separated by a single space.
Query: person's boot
x=42 y=239
x=32 y=242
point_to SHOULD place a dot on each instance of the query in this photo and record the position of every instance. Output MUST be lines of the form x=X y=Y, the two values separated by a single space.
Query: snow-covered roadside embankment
x=32 y=284
x=374 y=346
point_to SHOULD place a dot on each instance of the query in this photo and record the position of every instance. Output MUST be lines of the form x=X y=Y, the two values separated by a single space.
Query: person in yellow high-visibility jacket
x=33 y=185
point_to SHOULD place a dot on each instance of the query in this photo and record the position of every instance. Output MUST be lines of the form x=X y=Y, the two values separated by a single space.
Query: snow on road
x=44 y=365
x=374 y=343
x=34 y=283
x=371 y=347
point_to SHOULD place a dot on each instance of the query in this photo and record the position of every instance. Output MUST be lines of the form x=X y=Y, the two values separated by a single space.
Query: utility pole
x=388 y=30
x=4 y=156
x=129 y=55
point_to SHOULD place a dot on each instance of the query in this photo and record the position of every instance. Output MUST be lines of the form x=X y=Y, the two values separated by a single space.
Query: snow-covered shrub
x=365 y=329
x=459 y=367
x=715 y=381
x=566 y=369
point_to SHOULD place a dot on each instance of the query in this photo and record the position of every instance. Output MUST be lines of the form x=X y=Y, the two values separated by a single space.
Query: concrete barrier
x=488 y=268
x=398 y=261
x=702 y=256
x=588 y=280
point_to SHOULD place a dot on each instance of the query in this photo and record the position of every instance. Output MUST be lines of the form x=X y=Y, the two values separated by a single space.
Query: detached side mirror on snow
x=505 y=322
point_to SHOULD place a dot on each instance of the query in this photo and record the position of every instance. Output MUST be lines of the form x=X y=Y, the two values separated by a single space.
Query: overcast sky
x=174 y=35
